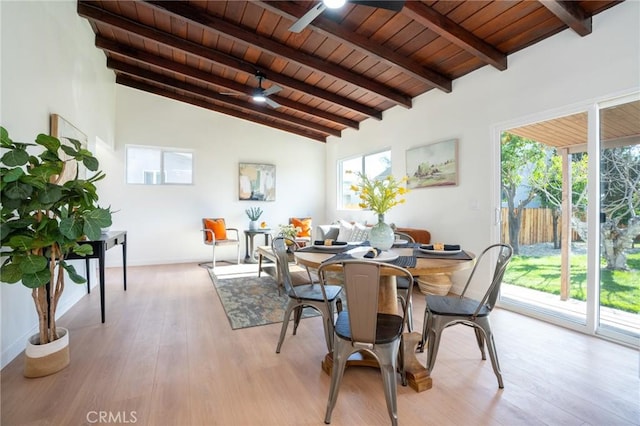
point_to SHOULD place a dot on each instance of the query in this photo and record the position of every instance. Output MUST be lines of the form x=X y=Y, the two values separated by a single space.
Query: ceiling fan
x=314 y=12
x=261 y=95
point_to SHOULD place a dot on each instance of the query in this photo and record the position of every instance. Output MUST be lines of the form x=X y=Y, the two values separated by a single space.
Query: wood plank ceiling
x=347 y=66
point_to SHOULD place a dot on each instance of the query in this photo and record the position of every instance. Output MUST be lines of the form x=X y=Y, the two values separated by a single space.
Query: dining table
x=415 y=260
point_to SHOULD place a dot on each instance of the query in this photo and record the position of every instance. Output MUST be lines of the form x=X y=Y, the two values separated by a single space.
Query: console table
x=249 y=235
x=100 y=246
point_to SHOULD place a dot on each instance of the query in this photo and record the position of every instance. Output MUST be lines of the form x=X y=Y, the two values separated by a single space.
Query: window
x=375 y=165
x=159 y=166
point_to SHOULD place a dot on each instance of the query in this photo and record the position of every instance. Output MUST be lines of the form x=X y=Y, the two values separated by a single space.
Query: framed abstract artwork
x=62 y=129
x=435 y=164
x=257 y=182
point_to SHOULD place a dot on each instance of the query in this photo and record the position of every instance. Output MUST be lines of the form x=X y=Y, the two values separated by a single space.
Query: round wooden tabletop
x=424 y=266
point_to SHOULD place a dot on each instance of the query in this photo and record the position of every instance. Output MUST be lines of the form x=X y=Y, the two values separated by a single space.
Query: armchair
x=215 y=233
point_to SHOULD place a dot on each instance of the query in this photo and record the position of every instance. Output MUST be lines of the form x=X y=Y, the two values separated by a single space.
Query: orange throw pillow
x=304 y=225
x=218 y=227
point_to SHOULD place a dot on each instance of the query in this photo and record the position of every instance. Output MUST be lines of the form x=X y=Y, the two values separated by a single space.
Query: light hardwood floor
x=167 y=356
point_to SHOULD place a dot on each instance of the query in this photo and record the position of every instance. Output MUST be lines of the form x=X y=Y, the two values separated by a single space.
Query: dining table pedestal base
x=418 y=377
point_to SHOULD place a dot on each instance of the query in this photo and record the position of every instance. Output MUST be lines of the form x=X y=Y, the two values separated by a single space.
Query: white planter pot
x=43 y=360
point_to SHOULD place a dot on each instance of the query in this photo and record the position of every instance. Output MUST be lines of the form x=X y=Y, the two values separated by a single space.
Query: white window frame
x=341 y=173
x=152 y=176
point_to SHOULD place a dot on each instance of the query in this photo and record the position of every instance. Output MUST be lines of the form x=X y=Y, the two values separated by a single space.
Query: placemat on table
x=463 y=255
x=336 y=249
x=402 y=261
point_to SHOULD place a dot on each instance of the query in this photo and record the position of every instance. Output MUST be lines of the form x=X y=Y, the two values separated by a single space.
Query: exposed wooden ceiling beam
x=360 y=43
x=145 y=87
x=571 y=14
x=187 y=71
x=453 y=32
x=212 y=23
x=95 y=13
x=169 y=82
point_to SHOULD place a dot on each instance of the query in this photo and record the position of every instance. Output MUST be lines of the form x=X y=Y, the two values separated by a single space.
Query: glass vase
x=381 y=235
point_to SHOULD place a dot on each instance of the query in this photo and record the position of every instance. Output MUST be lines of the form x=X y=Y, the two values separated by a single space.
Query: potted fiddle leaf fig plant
x=43 y=219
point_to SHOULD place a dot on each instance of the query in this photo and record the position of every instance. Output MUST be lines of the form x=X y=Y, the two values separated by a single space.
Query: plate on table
x=385 y=256
x=400 y=242
x=440 y=252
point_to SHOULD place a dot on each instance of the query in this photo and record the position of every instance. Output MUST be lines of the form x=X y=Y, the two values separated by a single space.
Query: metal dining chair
x=322 y=298
x=444 y=311
x=402 y=284
x=360 y=327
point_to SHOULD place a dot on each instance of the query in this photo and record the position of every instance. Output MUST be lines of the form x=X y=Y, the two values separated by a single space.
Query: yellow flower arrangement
x=380 y=195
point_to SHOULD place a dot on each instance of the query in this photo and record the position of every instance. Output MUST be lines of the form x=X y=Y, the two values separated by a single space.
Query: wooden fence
x=536 y=226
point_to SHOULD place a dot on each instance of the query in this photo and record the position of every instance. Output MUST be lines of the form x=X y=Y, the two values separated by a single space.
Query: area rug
x=251 y=301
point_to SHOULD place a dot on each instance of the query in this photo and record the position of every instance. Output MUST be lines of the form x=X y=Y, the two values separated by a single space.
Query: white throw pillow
x=346 y=229
x=360 y=232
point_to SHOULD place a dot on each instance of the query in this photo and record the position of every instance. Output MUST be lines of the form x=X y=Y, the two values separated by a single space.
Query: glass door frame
x=592 y=107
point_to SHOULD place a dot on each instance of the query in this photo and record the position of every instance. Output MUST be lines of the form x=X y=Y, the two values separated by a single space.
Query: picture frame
x=62 y=129
x=432 y=165
x=257 y=182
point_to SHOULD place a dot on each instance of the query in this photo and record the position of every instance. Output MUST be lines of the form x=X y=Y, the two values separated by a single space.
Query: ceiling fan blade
x=271 y=90
x=395 y=5
x=272 y=103
x=306 y=19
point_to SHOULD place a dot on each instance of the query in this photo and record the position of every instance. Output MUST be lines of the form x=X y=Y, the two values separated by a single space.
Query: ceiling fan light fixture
x=334 y=4
x=259 y=97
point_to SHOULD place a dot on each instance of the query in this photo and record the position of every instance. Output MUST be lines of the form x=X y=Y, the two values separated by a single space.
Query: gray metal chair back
x=362 y=328
x=322 y=298
x=403 y=284
x=444 y=311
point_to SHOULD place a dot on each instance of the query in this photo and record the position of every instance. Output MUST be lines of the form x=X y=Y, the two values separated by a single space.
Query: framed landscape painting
x=433 y=165
x=257 y=182
x=62 y=129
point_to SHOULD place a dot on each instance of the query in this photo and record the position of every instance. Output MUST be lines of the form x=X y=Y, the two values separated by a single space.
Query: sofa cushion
x=345 y=231
x=304 y=224
x=218 y=227
x=360 y=232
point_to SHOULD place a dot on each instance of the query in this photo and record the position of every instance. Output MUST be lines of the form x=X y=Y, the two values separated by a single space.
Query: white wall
x=49 y=65
x=560 y=71
x=163 y=222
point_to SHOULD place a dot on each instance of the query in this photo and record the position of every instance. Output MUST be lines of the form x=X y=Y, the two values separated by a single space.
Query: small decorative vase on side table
x=381 y=235
x=253 y=225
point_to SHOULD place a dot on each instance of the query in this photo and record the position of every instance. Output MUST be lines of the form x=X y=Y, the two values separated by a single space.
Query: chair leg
x=387 y=359
x=480 y=340
x=285 y=324
x=491 y=346
x=433 y=344
x=297 y=315
x=213 y=249
x=403 y=303
x=426 y=326
x=341 y=352
x=327 y=317
x=238 y=254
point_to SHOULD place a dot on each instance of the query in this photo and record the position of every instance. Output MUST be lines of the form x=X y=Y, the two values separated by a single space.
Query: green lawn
x=619 y=289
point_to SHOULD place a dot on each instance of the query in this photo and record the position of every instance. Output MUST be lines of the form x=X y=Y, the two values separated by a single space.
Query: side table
x=249 y=235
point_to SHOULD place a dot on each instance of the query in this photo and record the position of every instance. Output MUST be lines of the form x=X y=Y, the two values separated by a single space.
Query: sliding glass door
x=619 y=220
x=570 y=207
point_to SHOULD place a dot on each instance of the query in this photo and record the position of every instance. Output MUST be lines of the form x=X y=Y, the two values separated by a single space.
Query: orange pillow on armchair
x=304 y=224
x=218 y=227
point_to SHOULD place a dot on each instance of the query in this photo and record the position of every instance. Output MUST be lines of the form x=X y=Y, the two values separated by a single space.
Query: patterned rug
x=250 y=301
